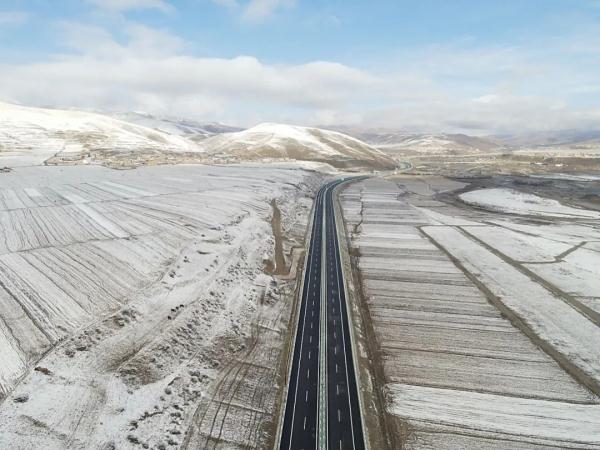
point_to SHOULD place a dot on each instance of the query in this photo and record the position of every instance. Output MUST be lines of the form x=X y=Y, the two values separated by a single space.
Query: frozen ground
x=515 y=202
x=135 y=310
x=478 y=348
x=548 y=423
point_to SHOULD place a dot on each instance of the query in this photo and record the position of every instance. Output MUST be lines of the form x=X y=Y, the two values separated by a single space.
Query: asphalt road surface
x=322 y=408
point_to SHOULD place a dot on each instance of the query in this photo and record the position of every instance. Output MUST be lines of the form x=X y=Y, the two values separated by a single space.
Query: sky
x=472 y=66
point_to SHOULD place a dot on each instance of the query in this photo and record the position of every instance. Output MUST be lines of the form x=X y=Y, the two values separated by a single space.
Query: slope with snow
x=32 y=136
x=29 y=136
x=276 y=141
x=444 y=143
x=190 y=129
x=135 y=293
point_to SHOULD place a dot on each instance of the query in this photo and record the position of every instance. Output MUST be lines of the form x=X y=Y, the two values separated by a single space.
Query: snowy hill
x=190 y=129
x=29 y=136
x=33 y=136
x=396 y=142
x=276 y=141
x=554 y=138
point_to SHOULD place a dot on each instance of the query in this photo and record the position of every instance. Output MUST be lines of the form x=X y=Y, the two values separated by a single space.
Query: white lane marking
x=304 y=426
x=310 y=266
x=335 y=350
x=306 y=397
x=339 y=416
x=337 y=389
x=336 y=255
x=307 y=373
x=336 y=368
x=310 y=339
x=309 y=354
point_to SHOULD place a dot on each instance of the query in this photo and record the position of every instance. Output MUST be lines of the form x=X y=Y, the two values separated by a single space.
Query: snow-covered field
x=551 y=317
x=547 y=423
x=515 y=202
x=134 y=306
x=457 y=372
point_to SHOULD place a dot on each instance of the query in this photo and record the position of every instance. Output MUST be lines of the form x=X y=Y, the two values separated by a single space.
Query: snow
x=569 y=177
x=551 y=318
x=271 y=140
x=577 y=274
x=529 y=420
x=32 y=136
x=515 y=202
x=29 y=136
x=521 y=247
x=176 y=126
x=457 y=372
x=137 y=297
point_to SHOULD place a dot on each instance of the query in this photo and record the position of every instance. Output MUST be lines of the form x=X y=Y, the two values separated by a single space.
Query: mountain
x=32 y=135
x=277 y=141
x=444 y=143
x=190 y=129
x=557 y=138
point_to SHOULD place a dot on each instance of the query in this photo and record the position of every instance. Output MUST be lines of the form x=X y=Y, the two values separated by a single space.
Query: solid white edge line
x=307 y=263
x=339 y=214
x=337 y=259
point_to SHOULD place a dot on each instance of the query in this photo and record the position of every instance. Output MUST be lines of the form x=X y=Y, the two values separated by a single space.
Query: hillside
x=29 y=136
x=33 y=136
x=187 y=128
x=444 y=143
x=555 y=138
x=276 y=141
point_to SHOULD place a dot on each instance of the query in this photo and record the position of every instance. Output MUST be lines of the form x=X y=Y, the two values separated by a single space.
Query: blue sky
x=429 y=65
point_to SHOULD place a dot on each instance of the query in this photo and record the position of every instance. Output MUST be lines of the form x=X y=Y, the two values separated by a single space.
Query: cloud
x=255 y=11
x=142 y=41
x=259 y=10
x=452 y=87
x=149 y=72
x=13 y=18
x=227 y=3
x=127 y=5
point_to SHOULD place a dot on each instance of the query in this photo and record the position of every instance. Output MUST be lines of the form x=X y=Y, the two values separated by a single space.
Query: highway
x=322 y=407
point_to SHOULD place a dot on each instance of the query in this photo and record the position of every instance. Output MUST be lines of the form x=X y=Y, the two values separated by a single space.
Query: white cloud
x=226 y=3
x=255 y=11
x=439 y=88
x=149 y=72
x=259 y=10
x=13 y=18
x=142 y=41
x=126 y=5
